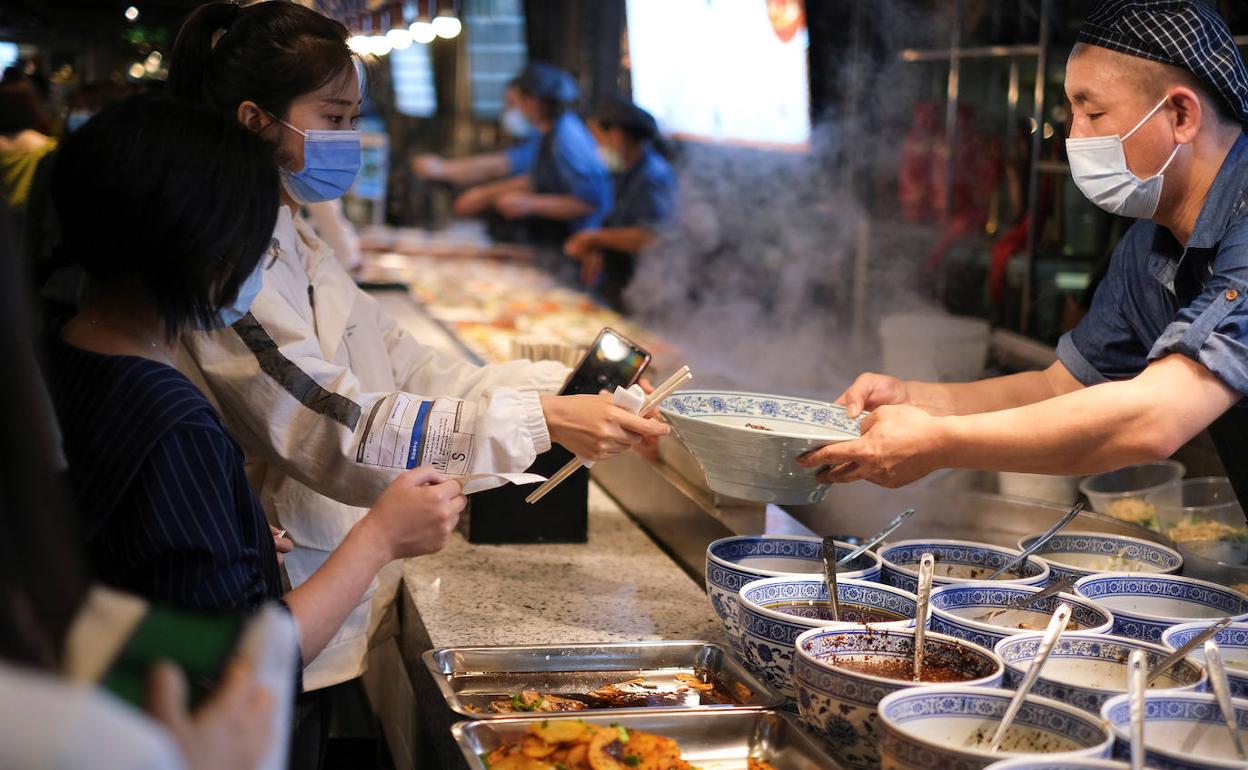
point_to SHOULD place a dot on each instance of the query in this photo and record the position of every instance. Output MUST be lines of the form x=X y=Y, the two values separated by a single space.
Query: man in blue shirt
x=1159 y=99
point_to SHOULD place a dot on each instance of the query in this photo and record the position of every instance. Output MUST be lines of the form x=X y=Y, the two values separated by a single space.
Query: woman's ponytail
x=192 y=50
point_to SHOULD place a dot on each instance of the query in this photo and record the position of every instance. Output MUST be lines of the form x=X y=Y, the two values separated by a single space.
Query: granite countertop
x=619 y=586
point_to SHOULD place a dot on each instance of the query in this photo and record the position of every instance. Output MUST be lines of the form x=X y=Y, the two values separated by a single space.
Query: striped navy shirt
x=159 y=484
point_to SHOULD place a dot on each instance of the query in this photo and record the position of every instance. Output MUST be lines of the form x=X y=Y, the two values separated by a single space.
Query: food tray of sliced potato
x=663 y=740
x=498 y=682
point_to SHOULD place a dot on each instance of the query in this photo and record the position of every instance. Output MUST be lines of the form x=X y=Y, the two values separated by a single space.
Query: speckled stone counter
x=619 y=586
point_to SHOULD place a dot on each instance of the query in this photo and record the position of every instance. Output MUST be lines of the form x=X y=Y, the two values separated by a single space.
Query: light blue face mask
x=331 y=159
x=76 y=120
x=248 y=290
x=516 y=124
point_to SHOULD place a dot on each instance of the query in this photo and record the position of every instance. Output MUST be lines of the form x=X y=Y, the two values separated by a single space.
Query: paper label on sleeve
x=403 y=432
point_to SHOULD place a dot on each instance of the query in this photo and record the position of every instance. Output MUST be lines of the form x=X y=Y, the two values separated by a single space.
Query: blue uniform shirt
x=522 y=155
x=1160 y=298
x=645 y=194
x=567 y=163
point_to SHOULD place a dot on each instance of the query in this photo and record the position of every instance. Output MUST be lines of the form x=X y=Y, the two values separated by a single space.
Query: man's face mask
x=1099 y=167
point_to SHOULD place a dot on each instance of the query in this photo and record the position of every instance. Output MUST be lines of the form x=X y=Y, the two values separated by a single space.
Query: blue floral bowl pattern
x=927 y=727
x=747 y=443
x=1083 y=669
x=949 y=604
x=768 y=635
x=840 y=705
x=1074 y=763
x=1144 y=606
x=901 y=561
x=1182 y=731
x=1233 y=641
x=1087 y=548
x=731 y=562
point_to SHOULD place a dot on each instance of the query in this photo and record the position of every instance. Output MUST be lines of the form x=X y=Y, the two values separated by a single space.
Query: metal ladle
x=1222 y=691
x=829 y=576
x=1057 y=624
x=927 y=565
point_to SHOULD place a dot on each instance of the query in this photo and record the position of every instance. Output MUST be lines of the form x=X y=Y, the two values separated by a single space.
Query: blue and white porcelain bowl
x=1079 y=554
x=950 y=727
x=959 y=610
x=1074 y=763
x=1232 y=641
x=1085 y=670
x=748 y=443
x=1144 y=606
x=957 y=561
x=731 y=562
x=775 y=611
x=1182 y=731
x=839 y=704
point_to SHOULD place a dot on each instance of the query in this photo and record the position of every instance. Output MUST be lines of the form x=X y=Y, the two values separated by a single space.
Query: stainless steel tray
x=723 y=740
x=471 y=677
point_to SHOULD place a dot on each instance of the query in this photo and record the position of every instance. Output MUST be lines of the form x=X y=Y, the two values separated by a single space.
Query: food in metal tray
x=576 y=745
x=628 y=694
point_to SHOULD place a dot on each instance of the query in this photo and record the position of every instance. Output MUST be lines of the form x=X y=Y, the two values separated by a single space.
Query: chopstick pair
x=654 y=399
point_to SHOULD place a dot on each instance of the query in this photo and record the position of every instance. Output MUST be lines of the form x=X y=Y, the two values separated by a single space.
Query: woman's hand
x=871 y=391
x=593 y=428
x=281 y=543
x=899 y=445
x=229 y=731
x=417 y=513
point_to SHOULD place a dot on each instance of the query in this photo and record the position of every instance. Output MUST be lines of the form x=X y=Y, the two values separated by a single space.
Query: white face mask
x=1099 y=166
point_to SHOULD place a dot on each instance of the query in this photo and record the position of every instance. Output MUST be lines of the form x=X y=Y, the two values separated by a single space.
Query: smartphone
x=612 y=361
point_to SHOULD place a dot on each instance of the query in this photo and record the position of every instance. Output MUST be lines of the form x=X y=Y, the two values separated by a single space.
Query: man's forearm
x=992 y=395
x=560 y=207
x=626 y=239
x=476 y=169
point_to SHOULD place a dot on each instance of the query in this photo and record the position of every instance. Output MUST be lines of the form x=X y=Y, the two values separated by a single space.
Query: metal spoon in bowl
x=1222 y=690
x=1170 y=660
x=1039 y=543
x=829 y=576
x=1137 y=684
x=1061 y=586
x=927 y=565
x=1057 y=624
x=875 y=539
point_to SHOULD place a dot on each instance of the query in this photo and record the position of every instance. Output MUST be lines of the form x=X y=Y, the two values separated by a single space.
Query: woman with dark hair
x=645 y=196
x=169 y=208
x=319 y=385
x=22 y=146
x=568 y=188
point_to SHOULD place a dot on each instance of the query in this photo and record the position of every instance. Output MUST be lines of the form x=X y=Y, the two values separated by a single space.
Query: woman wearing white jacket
x=328 y=397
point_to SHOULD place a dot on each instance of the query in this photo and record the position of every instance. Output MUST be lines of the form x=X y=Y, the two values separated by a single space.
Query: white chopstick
x=654 y=399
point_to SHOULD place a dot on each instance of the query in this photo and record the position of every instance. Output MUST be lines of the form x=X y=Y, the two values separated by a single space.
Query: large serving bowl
x=839 y=703
x=957 y=610
x=957 y=561
x=1074 y=763
x=1182 y=730
x=731 y=562
x=748 y=443
x=950 y=727
x=775 y=611
x=1079 y=554
x=1144 y=606
x=1085 y=670
x=1233 y=642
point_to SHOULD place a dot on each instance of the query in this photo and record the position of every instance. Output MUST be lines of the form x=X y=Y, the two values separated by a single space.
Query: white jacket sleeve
x=310 y=417
x=420 y=368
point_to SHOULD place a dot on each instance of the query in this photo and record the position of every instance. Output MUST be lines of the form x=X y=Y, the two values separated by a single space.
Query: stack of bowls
x=1144 y=606
x=839 y=703
x=734 y=561
x=775 y=611
x=957 y=561
x=1085 y=670
x=960 y=610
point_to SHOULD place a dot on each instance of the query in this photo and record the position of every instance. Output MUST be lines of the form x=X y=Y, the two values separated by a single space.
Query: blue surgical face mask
x=331 y=159
x=248 y=290
x=516 y=124
x=75 y=120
